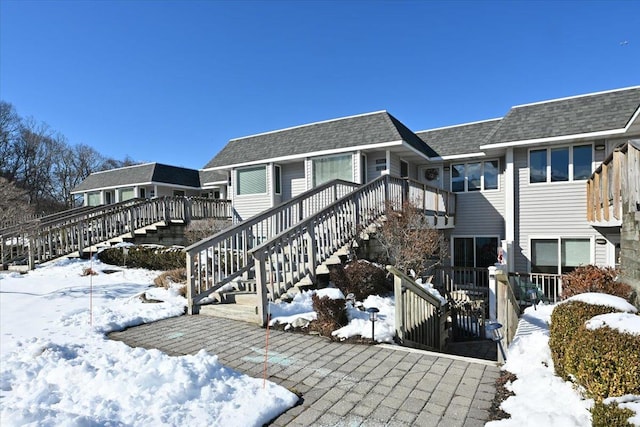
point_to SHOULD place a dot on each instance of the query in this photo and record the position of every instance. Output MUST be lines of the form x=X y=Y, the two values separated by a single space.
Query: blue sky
x=172 y=82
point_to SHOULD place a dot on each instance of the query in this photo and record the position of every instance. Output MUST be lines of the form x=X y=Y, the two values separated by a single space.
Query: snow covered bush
x=566 y=319
x=610 y=415
x=148 y=257
x=590 y=278
x=605 y=361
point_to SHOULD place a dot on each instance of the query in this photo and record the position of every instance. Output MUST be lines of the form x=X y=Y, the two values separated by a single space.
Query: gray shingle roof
x=373 y=128
x=212 y=176
x=461 y=139
x=148 y=172
x=603 y=111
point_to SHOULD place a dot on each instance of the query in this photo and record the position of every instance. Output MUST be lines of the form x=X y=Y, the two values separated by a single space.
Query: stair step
x=232 y=311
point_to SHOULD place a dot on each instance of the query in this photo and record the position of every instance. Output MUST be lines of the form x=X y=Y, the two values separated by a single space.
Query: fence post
x=492 y=293
x=191 y=287
x=261 y=289
x=397 y=292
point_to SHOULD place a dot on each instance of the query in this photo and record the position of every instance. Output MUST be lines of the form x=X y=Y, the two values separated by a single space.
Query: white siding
x=481 y=213
x=549 y=210
x=293 y=180
x=372 y=173
x=249 y=205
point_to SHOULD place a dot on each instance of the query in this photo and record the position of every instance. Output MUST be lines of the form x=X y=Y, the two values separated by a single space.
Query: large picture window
x=560 y=164
x=94 y=199
x=559 y=255
x=126 y=194
x=474 y=176
x=332 y=167
x=251 y=181
x=476 y=252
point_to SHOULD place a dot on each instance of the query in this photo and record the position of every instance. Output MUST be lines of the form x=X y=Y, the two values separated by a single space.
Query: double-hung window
x=559 y=255
x=251 y=180
x=474 y=176
x=560 y=164
x=332 y=167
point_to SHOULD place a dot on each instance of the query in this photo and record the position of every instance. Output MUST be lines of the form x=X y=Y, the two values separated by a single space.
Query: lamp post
x=496 y=336
x=373 y=316
x=533 y=296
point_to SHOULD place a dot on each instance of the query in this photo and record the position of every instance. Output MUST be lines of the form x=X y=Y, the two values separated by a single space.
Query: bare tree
x=14 y=204
x=10 y=124
x=409 y=242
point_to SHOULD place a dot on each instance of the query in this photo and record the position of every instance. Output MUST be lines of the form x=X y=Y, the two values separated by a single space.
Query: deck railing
x=80 y=229
x=420 y=317
x=549 y=285
x=438 y=204
x=217 y=260
x=614 y=182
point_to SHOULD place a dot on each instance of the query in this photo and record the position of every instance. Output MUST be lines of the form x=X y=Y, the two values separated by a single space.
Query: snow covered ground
x=542 y=398
x=58 y=368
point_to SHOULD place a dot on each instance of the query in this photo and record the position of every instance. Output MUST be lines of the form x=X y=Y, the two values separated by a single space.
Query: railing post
x=187 y=203
x=192 y=308
x=311 y=250
x=397 y=292
x=492 y=292
x=261 y=289
x=32 y=248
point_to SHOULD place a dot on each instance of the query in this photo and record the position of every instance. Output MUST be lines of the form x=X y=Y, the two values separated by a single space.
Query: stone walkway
x=341 y=384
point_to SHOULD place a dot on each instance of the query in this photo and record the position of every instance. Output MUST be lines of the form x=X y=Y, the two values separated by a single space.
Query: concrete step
x=232 y=311
x=236 y=297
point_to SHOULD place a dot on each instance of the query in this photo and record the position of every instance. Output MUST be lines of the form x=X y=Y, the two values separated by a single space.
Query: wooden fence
x=420 y=317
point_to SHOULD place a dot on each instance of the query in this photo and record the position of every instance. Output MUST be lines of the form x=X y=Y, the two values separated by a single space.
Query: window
x=363 y=169
x=560 y=164
x=178 y=193
x=474 y=176
x=143 y=192
x=93 y=199
x=332 y=167
x=476 y=252
x=278 y=184
x=559 y=255
x=126 y=194
x=404 y=169
x=251 y=181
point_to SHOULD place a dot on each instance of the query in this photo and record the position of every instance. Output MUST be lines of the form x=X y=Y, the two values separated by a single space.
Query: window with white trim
x=332 y=167
x=126 y=194
x=475 y=252
x=94 y=199
x=277 y=170
x=560 y=164
x=477 y=176
x=251 y=180
x=559 y=255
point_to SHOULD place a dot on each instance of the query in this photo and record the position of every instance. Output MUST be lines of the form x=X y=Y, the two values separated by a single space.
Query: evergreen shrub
x=148 y=257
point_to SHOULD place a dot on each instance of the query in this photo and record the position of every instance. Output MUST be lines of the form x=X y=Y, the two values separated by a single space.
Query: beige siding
x=372 y=173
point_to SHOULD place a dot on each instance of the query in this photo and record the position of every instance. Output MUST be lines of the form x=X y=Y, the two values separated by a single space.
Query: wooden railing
x=550 y=285
x=508 y=308
x=438 y=204
x=615 y=186
x=420 y=317
x=58 y=235
x=452 y=279
x=217 y=260
x=295 y=253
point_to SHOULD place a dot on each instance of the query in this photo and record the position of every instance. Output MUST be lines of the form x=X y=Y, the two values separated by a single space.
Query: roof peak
x=576 y=96
x=459 y=125
x=309 y=124
x=126 y=167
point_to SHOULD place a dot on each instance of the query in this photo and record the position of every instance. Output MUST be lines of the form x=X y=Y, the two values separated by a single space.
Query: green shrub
x=566 y=319
x=149 y=257
x=594 y=279
x=606 y=362
x=361 y=278
x=611 y=415
x=332 y=315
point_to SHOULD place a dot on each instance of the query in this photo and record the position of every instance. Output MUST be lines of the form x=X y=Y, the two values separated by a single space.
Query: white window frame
x=238 y=187
x=559 y=239
x=313 y=166
x=466 y=177
x=570 y=170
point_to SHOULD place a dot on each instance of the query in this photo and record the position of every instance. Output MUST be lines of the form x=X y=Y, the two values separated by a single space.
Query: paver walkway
x=341 y=384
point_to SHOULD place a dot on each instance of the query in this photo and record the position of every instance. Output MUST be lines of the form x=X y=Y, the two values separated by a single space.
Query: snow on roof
x=625 y=323
x=607 y=300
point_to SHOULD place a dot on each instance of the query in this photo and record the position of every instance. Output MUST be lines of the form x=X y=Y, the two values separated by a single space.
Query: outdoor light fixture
x=599 y=147
x=496 y=336
x=373 y=316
